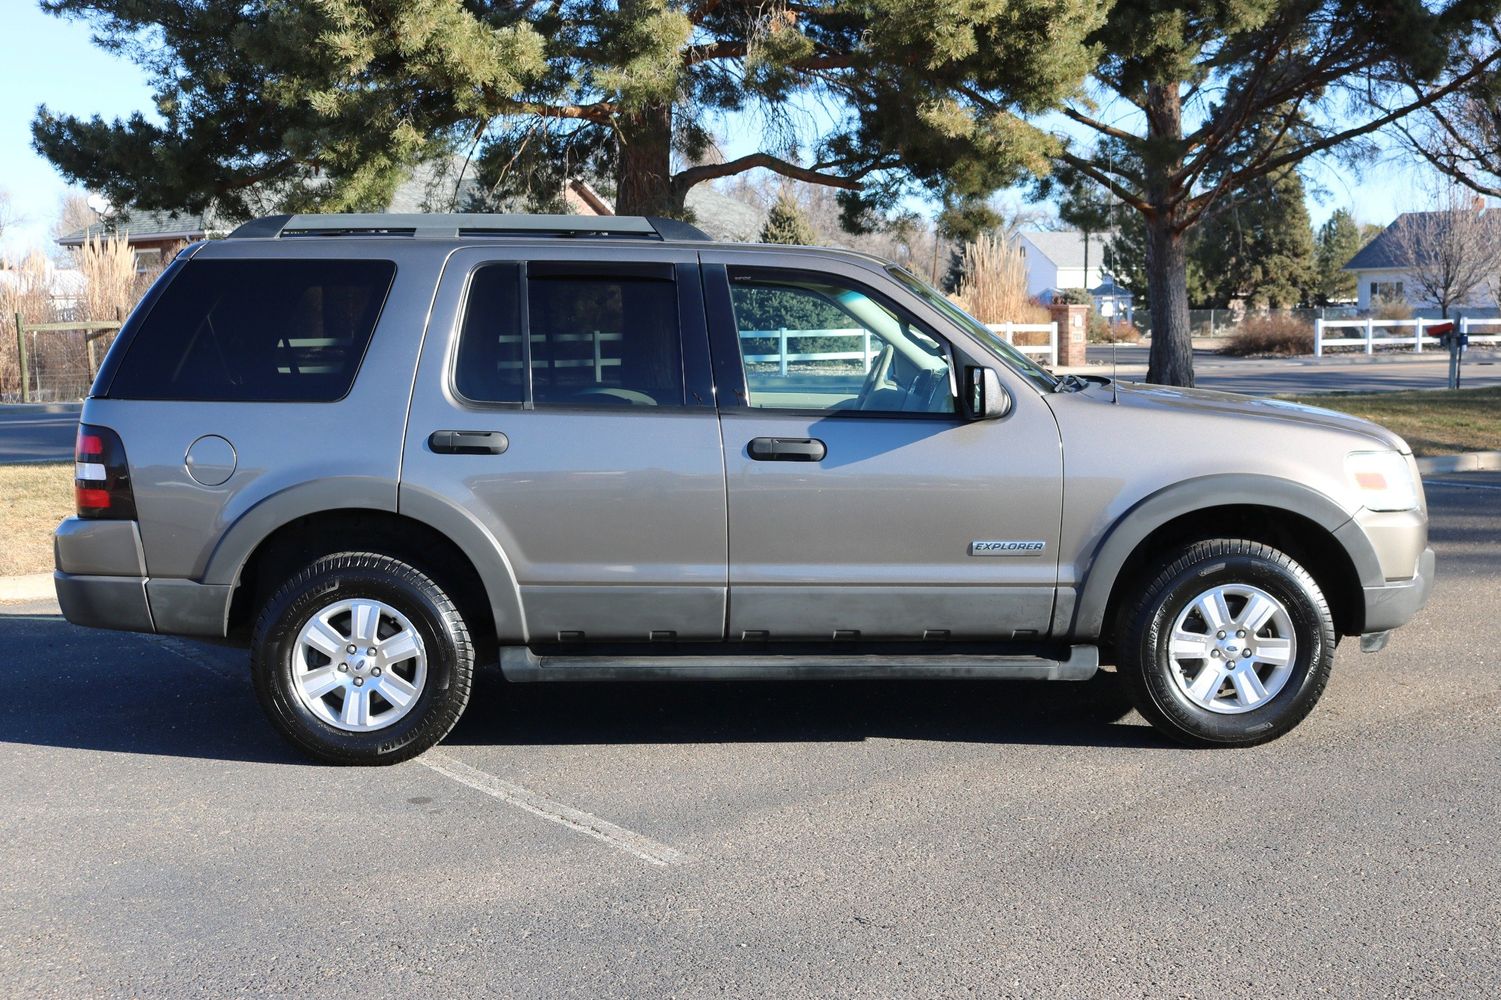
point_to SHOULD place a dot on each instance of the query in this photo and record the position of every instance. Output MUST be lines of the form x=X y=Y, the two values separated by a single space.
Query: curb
x=1471 y=461
x=31 y=587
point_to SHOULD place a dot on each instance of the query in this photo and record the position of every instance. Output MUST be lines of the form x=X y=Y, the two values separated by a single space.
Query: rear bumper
x=1395 y=603
x=117 y=602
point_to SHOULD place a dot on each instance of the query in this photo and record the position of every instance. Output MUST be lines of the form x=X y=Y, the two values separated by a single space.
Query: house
x=1055 y=263
x=1380 y=274
x=152 y=234
x=441 y=185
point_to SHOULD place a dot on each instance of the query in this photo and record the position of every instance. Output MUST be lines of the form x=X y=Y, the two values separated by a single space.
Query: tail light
x=101 y=483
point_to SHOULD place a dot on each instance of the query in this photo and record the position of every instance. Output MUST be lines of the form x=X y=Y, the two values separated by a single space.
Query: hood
x=1229 y=403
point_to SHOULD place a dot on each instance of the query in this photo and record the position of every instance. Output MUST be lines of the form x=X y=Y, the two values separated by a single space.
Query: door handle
x=787 y=449
x=468 y=442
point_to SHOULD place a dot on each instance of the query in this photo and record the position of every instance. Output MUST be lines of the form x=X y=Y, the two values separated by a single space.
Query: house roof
x=1065 y=247
x=1385 y=251
x=722 y=217
x=146 y=226
x=1112 y=288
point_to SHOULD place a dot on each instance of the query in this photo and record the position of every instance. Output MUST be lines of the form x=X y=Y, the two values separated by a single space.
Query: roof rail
x=462 y=226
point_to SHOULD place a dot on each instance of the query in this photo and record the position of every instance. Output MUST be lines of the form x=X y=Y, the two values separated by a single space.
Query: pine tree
x=1339 y=240
x=1257 y=246
x=308 y=104
x=787 y=224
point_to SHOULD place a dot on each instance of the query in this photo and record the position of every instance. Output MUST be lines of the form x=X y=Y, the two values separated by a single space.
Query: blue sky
x=52 y=61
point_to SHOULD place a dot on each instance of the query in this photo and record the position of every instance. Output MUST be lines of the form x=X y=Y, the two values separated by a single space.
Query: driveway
x=761 y=840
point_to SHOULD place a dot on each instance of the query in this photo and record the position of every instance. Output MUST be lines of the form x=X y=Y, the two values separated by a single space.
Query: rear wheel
x=1230 y=644
x=362 y=659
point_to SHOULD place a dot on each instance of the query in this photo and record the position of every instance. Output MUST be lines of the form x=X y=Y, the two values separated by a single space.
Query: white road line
x=1464 y=486
x=645 y=848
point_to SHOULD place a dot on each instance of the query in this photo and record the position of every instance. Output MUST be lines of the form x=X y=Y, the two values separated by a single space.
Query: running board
x=521 y=665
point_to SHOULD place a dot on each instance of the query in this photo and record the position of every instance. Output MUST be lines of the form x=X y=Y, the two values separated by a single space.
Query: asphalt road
x=894 y=840
x=1335 y=373
x=38 y=433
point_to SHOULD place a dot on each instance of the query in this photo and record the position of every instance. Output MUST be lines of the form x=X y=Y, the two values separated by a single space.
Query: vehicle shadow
x=1091 y=713
x=91 y=690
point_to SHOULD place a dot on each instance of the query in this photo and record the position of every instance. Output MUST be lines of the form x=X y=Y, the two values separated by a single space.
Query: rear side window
x=257 y=330
x=595 y=339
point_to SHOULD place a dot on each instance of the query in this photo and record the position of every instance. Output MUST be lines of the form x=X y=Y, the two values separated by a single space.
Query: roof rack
x=464 y=226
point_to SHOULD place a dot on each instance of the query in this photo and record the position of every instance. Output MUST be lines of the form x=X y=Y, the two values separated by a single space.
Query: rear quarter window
x=256 y=330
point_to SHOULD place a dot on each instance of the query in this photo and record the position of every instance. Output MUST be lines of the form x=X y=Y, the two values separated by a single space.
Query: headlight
x=1382 y=479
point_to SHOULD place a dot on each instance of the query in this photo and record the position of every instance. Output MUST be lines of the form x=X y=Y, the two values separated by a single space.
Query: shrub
x=1271 y=334
x=993 y=284
x=1385 y=308
x=1103 y=331
x=25 y=288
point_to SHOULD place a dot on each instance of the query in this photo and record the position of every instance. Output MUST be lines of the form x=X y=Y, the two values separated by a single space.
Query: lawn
x=1433 y=421
x=33 y=499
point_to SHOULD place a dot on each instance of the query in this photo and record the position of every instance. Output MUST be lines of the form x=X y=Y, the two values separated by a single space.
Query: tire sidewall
x=1305 y=606
x=274 y=664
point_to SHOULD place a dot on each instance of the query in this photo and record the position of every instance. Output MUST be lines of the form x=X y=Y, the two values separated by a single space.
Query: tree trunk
x=1171 y=361
x=643 y=179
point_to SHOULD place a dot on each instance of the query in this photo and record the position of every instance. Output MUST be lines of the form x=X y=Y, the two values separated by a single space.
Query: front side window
x=594 y=339
x=817 y=343
x=256 y=331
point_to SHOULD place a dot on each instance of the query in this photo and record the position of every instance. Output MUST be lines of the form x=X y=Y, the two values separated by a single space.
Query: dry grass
x=1433 y=421
x=110 y=284
x=1274 y=334
x=993 y=287
x=24 y=291
x=33 y=499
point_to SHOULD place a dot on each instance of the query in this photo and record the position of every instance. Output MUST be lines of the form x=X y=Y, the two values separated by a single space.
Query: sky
x=50 y=60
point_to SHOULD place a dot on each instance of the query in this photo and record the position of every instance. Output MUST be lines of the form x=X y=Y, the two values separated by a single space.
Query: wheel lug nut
x=1241 y=634
x=344 y=667
x=352 y=646
x=358 y=681
x=370 y=651
x=1214 y=653
x=376 y=672
x=1221 y=635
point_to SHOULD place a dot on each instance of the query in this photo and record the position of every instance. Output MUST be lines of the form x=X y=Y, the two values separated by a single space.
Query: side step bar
x=521 y=665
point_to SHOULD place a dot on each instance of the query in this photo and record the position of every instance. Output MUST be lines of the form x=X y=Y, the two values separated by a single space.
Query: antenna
x=1115 y=382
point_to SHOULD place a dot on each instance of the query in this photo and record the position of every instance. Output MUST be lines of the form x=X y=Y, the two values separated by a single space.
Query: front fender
x=1083 y=616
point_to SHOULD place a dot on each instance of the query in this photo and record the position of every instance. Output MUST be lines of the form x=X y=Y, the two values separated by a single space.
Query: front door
x=862 y=504
x=565 y=404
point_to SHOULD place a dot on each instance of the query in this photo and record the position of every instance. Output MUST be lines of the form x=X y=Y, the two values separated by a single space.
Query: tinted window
x=596 y=340
x=601 y=340
x=292 y=330
x=490 y=363
x=819 y=344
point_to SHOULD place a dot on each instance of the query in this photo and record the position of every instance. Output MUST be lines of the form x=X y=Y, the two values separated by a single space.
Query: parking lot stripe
x=645 y=848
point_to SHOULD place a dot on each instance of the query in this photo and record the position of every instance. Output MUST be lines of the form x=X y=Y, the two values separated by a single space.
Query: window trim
x=141 y=316
x=729 y=367
x=694 y=384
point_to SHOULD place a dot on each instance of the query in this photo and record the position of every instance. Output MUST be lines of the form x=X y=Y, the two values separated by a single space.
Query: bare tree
x=1449 y=252
x=8 y=217
x=73 y=213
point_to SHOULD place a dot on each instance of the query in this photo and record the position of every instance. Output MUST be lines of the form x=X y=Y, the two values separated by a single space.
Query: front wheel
x=1230 y=644
x=362 y=659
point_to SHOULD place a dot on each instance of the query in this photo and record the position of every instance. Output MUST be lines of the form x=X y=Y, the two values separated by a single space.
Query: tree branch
x=709 y=171
x=1091 y=170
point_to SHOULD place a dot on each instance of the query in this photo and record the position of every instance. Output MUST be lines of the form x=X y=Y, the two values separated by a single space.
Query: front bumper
x=1394 y=603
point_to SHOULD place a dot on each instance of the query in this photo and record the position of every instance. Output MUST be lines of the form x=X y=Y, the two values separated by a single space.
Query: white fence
x=1373 y=333
x=1008 y=332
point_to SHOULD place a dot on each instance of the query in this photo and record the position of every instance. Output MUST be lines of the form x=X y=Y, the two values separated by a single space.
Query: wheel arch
x=451 y=547
x=1285 y=514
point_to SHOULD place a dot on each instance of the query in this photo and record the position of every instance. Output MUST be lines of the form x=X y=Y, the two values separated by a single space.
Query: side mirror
x=983 y=396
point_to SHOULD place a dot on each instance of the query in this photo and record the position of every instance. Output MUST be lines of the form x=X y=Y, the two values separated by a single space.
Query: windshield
x=1018 y=361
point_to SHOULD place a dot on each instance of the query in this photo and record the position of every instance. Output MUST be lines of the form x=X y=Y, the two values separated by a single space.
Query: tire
x=407 y=696
x=1171 y=633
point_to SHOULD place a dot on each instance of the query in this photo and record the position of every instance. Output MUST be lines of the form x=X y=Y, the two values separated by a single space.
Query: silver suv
x=381 y=450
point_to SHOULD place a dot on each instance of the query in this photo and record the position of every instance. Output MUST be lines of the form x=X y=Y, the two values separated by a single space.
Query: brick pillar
x=1073 y=333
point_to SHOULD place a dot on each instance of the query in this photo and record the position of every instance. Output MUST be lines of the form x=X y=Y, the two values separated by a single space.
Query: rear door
x=861 y=503
x=564 y=402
